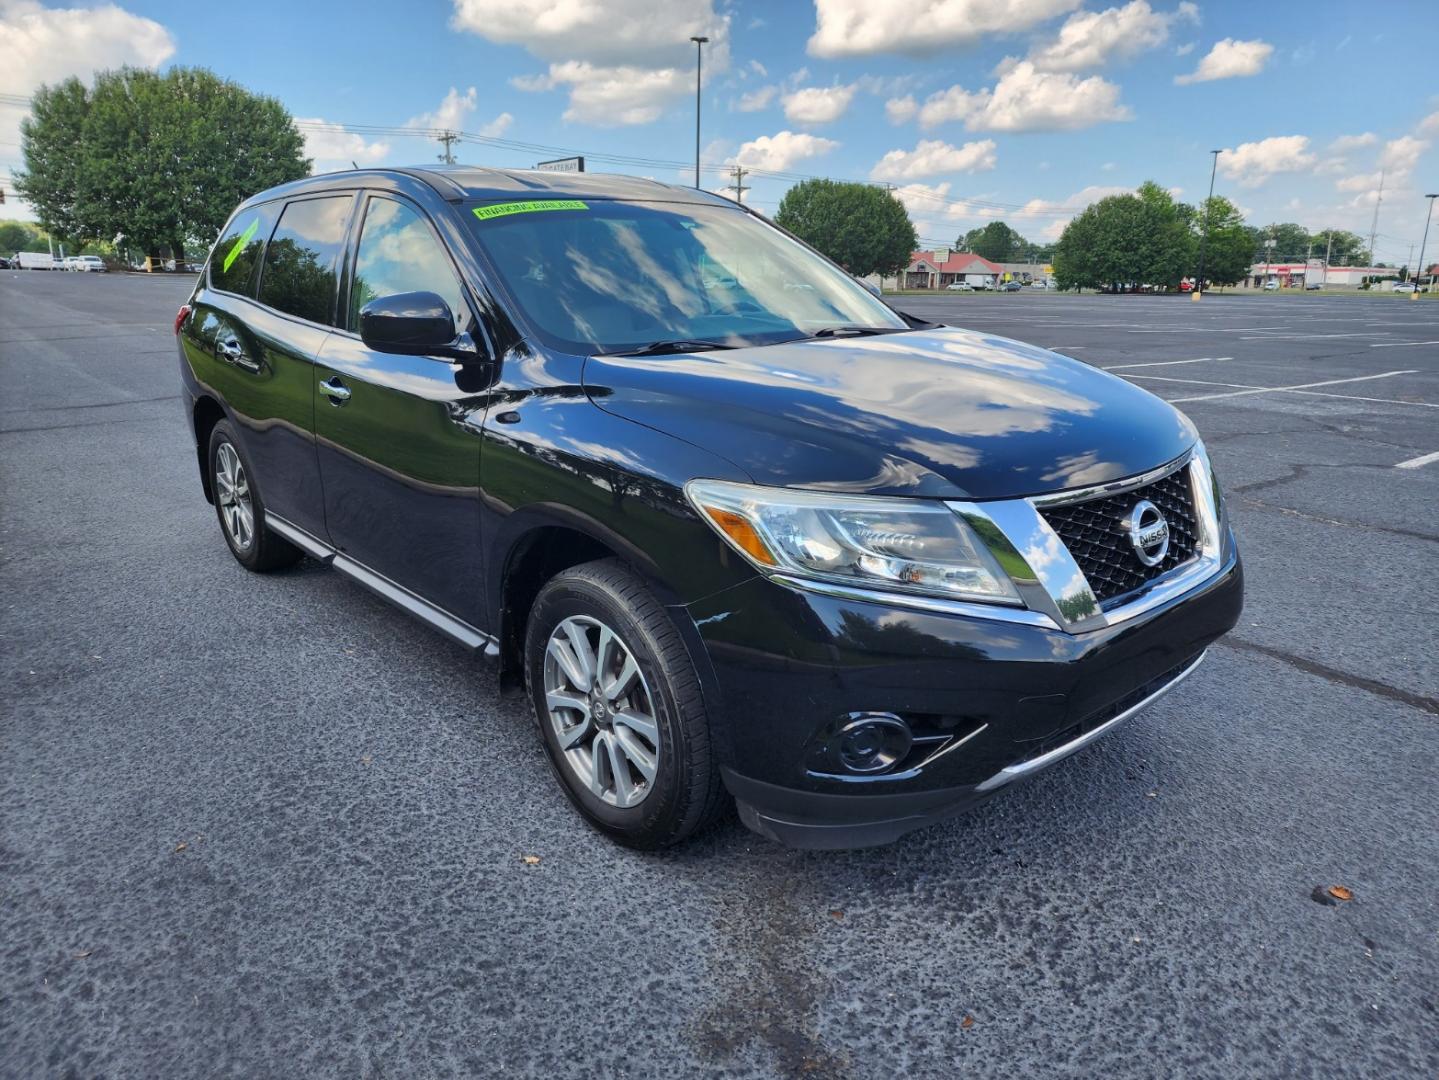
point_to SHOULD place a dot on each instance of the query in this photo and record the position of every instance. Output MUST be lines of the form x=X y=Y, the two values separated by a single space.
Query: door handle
x=232 y=352
x=337 y=391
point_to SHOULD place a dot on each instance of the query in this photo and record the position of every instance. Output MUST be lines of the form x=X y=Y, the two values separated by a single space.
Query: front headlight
x=903 y=545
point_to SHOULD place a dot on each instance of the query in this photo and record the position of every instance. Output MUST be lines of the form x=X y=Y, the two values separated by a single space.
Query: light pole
x=699 y=65
x=1204 y=239
x=1424 y=243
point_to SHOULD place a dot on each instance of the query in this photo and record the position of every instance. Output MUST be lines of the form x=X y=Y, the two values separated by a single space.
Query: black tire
x=686 y=794
x=265 y=551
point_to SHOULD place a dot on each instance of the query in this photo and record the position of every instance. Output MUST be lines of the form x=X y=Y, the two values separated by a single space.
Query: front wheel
x=619 y=707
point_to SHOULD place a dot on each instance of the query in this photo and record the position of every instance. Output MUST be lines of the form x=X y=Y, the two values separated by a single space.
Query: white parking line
x=1401 y=344
x=1168 y=363
x=1416 y=462
x=1377 y=400
x=1299 y=386
x=1207 y=329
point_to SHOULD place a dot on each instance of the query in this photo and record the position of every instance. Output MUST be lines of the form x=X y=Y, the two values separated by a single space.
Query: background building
x=936 y=269
x=1297 y=275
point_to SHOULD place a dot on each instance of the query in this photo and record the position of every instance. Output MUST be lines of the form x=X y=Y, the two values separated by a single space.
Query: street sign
x=564 y=164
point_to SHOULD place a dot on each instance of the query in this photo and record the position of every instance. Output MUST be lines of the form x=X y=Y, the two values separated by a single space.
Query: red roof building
x=936 y=269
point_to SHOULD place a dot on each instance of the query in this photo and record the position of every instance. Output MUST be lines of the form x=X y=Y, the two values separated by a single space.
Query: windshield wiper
x=679 y=345
x=857 y=331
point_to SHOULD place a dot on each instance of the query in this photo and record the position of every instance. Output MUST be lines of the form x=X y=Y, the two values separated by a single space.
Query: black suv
x=739 y=527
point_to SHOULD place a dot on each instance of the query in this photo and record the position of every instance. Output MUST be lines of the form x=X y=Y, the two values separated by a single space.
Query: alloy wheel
x=232 y=496
x=601 y=711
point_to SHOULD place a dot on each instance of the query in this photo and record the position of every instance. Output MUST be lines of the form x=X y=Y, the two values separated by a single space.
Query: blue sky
x=971 y=109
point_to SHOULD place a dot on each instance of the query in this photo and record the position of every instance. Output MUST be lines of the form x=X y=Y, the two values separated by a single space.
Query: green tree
x=997 y=242
x=1346 y=248
x=1144 y=238
x=18 y=236
x=863 y=228
x=1292 y=243
x=160 y=158
x=1230 y=250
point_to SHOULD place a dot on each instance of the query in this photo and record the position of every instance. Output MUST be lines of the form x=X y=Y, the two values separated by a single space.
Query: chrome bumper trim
x=1011 y=773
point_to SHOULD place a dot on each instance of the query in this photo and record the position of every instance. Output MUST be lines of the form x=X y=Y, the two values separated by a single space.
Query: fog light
x=873 y=742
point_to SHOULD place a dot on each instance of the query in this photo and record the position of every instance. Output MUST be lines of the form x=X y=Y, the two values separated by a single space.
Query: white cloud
x=1252 y=163
x=900 y=110
x=818 y=104
x=332 y=147
x=47 y=45
x=1185 y=49
x=1026 y=99
x=622 y=61
x=1056 y=215
x=776 y=153
x=756 y=100
x=1090 y=39
x=608 y=33
x=1429 y=125
x=932 y=157
x=1229 y=59
x=864 y=28
x=1358 y=182
x=44 y=46
x=1402 y=154
x=921 y=199
x=758 y=68
x=1346 y=143
x=454 y=112
x=612 y=96
x=956 y=103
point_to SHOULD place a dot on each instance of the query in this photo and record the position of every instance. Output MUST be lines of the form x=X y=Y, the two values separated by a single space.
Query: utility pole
x=448 y=138
x=1424 y=243
x=1374 y=225
x=1198 y=289
x=699 y=66
x=1327 y=249
x=739 y=187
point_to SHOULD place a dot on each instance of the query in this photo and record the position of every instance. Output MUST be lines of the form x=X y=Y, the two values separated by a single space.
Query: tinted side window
x=399 y=254
x=237 y=256
x=299 y=272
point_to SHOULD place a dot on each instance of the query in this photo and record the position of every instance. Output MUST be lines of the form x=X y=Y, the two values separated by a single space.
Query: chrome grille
x=1095 y=534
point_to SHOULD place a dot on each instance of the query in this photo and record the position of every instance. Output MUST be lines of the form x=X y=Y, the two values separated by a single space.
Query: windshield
x=604 y=276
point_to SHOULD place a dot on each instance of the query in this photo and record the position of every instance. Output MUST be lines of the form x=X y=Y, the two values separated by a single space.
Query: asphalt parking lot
x=268 y=826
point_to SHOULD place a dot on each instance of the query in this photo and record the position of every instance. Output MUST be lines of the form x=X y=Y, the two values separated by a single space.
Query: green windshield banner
x=245 y=238
x=484 y=213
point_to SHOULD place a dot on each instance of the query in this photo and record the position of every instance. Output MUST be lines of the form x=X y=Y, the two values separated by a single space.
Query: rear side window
x=237 y=255
x=398 y=254
x=298 y=277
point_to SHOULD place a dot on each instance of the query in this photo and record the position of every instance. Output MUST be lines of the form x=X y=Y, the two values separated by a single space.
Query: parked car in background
x=960 y=286
x=4 y=262
x=1011 y=286
x=1402 y=286
x=1313 y=286
x=1271 y=286
x=92 y=264
x=1039 y=284
x=753 y=577
x=37 y=260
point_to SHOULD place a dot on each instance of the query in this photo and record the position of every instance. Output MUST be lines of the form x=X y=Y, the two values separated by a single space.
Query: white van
x=36 y=260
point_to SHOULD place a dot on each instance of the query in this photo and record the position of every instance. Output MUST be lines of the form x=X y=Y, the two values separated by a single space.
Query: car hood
x=946 y=413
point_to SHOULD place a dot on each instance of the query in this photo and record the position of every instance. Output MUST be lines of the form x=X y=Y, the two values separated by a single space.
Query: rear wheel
x=240 y=508
x=619 y=707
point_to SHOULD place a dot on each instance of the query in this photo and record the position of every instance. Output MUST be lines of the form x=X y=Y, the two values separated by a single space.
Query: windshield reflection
x=610 y=276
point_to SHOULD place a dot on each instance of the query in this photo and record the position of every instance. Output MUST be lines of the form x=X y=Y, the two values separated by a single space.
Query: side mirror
x=414 y=324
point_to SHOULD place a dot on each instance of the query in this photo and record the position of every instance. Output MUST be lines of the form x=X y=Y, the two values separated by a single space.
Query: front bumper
x=1008 y=698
